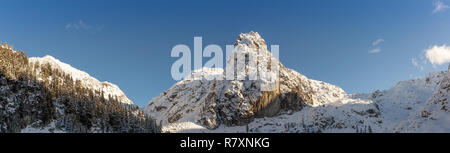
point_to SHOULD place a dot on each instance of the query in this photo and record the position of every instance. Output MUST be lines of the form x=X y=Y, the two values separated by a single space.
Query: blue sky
x=128 y=43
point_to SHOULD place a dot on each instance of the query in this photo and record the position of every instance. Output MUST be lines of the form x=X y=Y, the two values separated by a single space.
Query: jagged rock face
x=238 y=102
x=442 y=95
x=292 y=92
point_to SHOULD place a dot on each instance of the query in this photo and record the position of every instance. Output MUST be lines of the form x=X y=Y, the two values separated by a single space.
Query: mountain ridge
x=108 y=88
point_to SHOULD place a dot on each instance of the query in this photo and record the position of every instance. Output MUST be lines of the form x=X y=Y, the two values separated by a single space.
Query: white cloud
x=438 y=55
x=81 y=25
x=416 y=63
x=378 y=41
x=439 y=6
x=375 y=43
x=374 y=51
x=78 y=25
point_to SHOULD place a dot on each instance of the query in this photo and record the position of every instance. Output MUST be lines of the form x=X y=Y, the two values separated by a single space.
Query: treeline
x=34 y=95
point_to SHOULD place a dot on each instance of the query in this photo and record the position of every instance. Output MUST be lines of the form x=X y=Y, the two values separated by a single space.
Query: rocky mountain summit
x=199 y=102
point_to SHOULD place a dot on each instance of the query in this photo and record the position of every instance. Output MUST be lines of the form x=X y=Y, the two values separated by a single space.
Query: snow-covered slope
x=404 y=99
x=298 y=104
x=88 y=81
x=434 y=114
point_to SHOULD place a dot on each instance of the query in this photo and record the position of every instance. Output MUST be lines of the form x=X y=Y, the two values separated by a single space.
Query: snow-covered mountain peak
x=88 y=81
x=215 y=103
x=251 y=39
x=55 y=63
